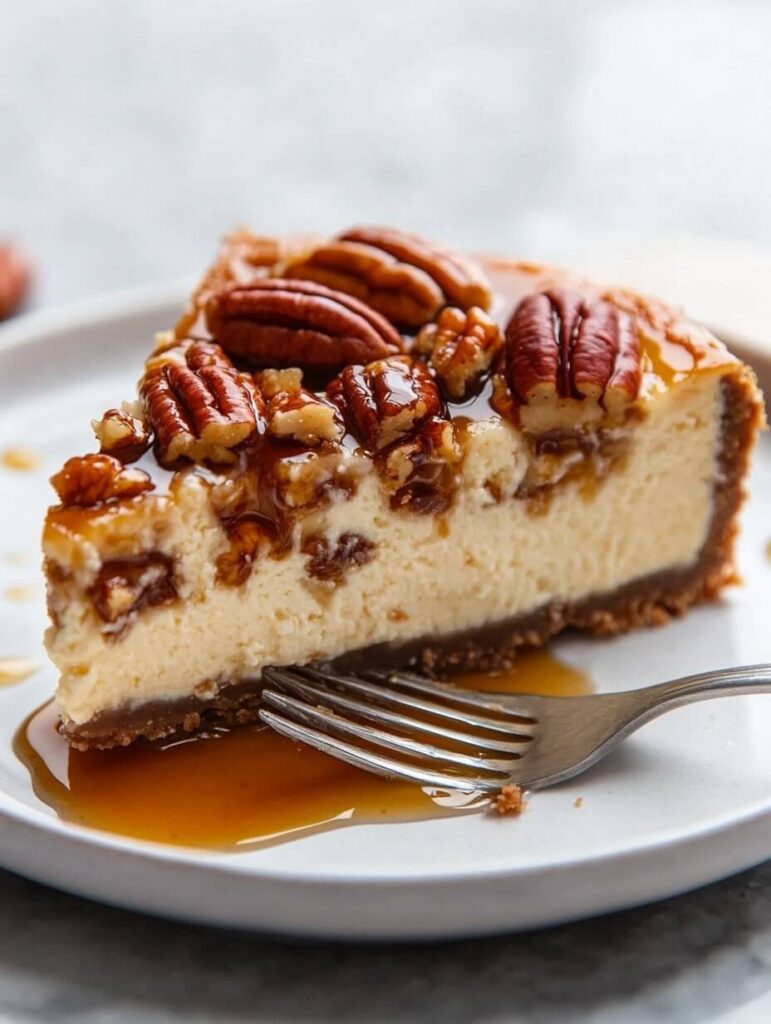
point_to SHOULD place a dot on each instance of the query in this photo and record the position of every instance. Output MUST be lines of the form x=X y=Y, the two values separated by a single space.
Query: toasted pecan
x=558 y=345
x=93 y=479
x=199 y=405
x=461 y=346
x=385 y=400
x=287 y=323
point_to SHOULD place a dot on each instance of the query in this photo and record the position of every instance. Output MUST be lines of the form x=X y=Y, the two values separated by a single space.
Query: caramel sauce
x=20 y=459
x=246 y=787
x=15 y=670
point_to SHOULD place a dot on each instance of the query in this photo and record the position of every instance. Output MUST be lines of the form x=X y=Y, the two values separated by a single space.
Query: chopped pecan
x=330 y=560
x=461 y=347
x=312 y=479
x=246 y=537
x=200 y=406
x=558 y=345
x=124 y=587
x=15 y=278
x=283 y=323
x=121 y=434
x=305 y=417
x=421 y=471
x=270 y=382
x=460 y=279
x=92 y=479
x=385 y=400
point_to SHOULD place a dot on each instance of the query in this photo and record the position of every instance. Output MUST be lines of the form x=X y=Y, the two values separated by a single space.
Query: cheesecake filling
x=358 y=573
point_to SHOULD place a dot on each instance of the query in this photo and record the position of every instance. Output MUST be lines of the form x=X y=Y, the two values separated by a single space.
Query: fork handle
x=729 y=682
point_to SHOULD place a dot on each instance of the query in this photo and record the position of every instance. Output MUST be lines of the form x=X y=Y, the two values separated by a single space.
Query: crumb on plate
x=510 y=800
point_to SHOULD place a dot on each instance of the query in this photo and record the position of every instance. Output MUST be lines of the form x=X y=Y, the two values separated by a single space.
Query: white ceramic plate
x=686 y=801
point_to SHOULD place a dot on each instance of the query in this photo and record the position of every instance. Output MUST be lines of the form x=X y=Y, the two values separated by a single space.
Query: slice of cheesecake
x=375 y=450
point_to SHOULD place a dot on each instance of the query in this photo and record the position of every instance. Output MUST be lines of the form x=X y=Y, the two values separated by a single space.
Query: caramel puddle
x=20 y=459
x=247 y=787
x=15 y=670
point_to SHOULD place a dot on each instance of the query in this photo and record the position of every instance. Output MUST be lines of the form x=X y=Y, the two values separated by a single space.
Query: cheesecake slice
x=374 y=450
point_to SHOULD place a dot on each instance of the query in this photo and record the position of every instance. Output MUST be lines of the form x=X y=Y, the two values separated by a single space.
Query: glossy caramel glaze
x=15 y=670
x=277 y=493
x=248 y=787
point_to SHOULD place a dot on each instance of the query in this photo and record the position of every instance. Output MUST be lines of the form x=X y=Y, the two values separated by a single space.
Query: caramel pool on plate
x=248 y=786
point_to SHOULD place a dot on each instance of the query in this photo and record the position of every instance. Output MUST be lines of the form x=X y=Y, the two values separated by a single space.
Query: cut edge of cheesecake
x=557 y=476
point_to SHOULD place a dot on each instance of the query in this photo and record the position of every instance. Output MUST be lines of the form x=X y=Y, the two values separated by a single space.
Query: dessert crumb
x=21 y=459
x=578 y=802
x=768 y=550
x=19 y=593
x=510 y=800
x=397 y=615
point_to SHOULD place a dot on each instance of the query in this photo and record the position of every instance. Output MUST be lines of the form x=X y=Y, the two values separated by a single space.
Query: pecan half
x=462 y=282
x=121 y=434
x=282 y=323
x=15 y=278
x=243 y=258
x=199 y=405
x=405 y=294
x=461 y=347
x=305 y=417
x=558 y=345
x=385 y=400
x=92 y=479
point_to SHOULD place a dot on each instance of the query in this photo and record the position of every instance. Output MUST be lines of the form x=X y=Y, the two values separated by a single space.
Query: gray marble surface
x=132 y=134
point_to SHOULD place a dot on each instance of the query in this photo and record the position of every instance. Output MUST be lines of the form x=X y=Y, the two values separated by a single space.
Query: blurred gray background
x=132 y=134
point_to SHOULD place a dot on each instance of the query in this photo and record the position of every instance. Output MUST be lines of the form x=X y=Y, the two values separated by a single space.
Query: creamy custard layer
x=486 y=559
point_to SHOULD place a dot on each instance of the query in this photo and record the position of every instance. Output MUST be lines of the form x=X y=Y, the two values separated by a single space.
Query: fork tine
x=371 y=761
x=333 y=724
x=446 y=691
x=286 y=680
x=380 y=694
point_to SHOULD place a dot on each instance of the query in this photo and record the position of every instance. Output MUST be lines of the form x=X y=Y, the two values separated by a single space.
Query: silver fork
x=404 y=726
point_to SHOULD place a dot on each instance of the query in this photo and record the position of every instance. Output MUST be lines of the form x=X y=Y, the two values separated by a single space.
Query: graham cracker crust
x=649 y=601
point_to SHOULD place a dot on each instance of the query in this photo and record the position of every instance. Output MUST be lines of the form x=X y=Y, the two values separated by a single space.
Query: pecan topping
x=93 y=479
x=270 y=382
x=243 y=259
x=330 y=561
x=15 y=277
x=123 y=587
x=404 y=277
x=299 y=324
x=305 y=417
x=421 y=470
x=461 y=280
x=461 y=347
x=246 y=538
x=121 y=434
x=385 y=400
x=406 y=295
x=199 y=405
x=558 y=345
